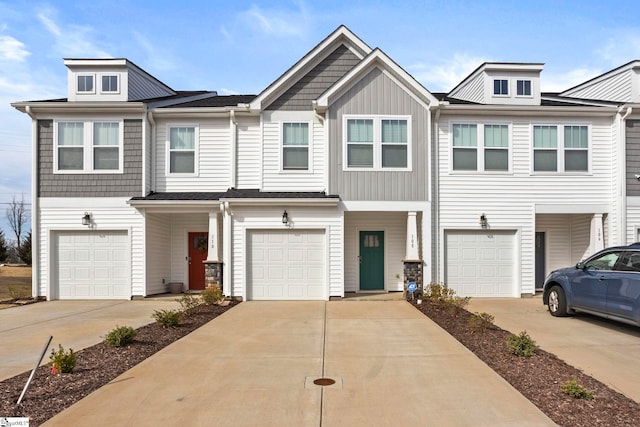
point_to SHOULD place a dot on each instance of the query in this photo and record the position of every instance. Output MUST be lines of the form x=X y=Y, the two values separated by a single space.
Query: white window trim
x=377 y=142
x=561 y=149
x=516 y=87
x=196 y=149
x=501 y=95
x=309 y=148
x=481 y=149
x=86 y=92
x=87 y=147
x=116 y=75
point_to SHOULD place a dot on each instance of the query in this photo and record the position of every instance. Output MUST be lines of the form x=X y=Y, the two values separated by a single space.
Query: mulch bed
x=539 y=377
x=96 y=366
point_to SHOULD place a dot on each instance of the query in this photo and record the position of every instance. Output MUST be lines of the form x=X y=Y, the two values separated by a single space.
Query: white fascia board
x=81 y=107
x=382 y=206
x=514 y=66
x=376 y=58
x=283 y=201
x=172 y=203
x=571 y=209
x=201 y=112
x=96 y=62
x=341 y=33
x=515 y=110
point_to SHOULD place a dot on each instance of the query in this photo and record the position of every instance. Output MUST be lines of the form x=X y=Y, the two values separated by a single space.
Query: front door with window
x=197 y=254
x=371 y=260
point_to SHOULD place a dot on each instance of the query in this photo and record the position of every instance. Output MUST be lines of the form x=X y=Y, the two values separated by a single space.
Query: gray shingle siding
x=633 y=157
x=315 y=82
x=126 y=184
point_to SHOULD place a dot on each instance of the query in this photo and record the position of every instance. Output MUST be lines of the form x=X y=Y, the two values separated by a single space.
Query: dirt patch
x=15 y=282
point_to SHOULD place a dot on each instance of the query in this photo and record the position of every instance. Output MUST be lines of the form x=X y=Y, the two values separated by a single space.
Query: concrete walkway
x=605 y=350
x=255 y=366
x=74 y=324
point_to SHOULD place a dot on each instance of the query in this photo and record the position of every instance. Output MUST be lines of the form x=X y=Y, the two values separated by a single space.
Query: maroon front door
x=198 y=245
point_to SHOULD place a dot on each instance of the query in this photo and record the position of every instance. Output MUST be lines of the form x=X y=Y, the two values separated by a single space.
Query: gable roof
x=494 y=66
x=341 y=36
x=376 y=59
x=601 y=78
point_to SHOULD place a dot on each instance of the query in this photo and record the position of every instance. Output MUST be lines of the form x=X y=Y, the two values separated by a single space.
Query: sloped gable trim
x=619 y=76
x=342 y=35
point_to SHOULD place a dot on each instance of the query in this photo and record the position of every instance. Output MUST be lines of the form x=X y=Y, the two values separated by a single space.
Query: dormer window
x=85 y=84
x=523 y=88
x=109 y=83
x=501 y=87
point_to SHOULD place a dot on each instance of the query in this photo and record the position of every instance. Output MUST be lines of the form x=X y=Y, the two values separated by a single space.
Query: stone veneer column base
x=213 y=273
x=413 y=273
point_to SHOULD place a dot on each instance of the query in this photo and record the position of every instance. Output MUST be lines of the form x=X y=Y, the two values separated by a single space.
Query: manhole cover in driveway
x=324 y=381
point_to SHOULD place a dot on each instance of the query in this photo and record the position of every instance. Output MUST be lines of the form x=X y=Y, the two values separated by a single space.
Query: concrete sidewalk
x=74 y=324
x=255 y=365
x=603 y=349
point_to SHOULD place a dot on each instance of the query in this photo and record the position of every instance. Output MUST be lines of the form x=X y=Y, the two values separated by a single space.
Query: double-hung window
x=480 y=147
x=501 y=87
x=295 y=146
x=85 y=84
x=378 y=143
x=109 y=83
x=85 y=147
x=523 y=87
x=560 y=148
x=182 y=150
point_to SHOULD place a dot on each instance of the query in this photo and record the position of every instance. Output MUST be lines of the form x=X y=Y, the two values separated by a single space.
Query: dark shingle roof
x=215 y=101
x=236 y=194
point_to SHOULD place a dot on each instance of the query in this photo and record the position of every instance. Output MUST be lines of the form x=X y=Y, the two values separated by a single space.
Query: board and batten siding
x=618 y=87
x=249 y=153
x=378 y=94
x=158 y=252
x=472 y=91
x=143 y=86
x=320 y=78
x=213 y=157
x=269 y=218
x=274 y=177
x=57 y=214
x=394 y=225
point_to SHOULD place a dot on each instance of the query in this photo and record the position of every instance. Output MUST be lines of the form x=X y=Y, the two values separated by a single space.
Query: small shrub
x=575 y=390
x=62 y=362
x=19 y=292
x=521 y=345
x=445 y=296
x=480 y=321
x=120 y=336
x=168 y=318
x=211 y=295
x=189 y=302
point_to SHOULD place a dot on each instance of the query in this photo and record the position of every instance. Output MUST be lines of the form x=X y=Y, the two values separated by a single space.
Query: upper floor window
x=501 y=87
x=182 y=150
x=378 y=143
x=491 y=139
x=295 y=146
x=88 y=147
x=523 y=87
x=564 y=151
x=109 y=83
x=85 y=84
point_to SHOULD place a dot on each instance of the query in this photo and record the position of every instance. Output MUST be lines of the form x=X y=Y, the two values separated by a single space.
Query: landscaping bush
x=167 y=318
x=480 y=321
x=211 y=295
x=120 y=336
x=62 y=362
x=445 y=296
x=521 y=345
x=188 y=302
x=575 y=390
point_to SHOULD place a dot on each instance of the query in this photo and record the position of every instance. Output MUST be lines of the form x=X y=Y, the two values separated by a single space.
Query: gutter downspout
x=153 y=147
x=35 y=223
x=233 y=124
x=623 y=178
x=436 y=196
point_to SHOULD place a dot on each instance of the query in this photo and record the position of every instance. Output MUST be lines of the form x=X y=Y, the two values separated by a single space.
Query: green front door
x=371 y=260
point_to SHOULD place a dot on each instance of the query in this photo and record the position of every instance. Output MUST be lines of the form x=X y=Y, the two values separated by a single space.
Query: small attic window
x=85 y=84
x=109 y=83
x=523 y=88
x=501 y=87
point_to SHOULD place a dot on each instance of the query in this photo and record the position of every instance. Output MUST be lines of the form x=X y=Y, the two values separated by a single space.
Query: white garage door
x=480 y=263
x=92 y=265
x=286 y=265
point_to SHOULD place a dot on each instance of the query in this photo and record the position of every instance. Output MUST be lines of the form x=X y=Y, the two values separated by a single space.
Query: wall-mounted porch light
x=483 y=221
x=285 y=217
x=86 y=219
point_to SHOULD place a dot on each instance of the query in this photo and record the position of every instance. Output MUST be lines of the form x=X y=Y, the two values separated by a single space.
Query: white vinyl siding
x=560 y=148
x=377 y=143
x=88 y=146
x=157 y=253
x=249 y=154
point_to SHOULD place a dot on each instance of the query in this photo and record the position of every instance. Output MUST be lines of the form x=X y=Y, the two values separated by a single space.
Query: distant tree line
x=20 y=248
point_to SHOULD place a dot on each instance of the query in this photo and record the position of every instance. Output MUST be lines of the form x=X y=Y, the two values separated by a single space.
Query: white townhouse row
x=344 y=175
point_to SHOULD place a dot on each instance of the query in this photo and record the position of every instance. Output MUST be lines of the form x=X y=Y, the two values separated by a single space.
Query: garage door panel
x=480 y=263
x=294 y=262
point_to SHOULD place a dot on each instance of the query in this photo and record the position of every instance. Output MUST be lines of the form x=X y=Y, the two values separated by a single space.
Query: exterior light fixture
x=285 y=217
x=86 y=219
x=483 y=221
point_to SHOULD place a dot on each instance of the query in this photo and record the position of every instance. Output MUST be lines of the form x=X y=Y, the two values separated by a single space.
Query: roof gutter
x=333 y=201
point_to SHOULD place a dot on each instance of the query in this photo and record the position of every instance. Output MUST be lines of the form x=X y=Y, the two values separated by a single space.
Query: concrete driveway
x=74 y=324
x=256 y=364
x=607 y=351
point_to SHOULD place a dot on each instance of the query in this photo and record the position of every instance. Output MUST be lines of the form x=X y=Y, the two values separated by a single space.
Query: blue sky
x=243 y=46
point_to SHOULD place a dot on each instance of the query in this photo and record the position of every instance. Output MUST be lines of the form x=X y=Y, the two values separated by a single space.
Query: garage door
x=286 y=265
x=92 y=265
x=480 y=264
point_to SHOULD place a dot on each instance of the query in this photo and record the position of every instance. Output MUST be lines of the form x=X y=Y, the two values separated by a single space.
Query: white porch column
x=596 y=240
x=212 y=254
x=412 y=252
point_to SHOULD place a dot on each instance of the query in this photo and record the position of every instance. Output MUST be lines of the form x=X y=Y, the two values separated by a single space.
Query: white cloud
x=72 y=40
x=277 y=22
x=445 y=75
x=621 y=49
x=225 y=91
x=12 y=49
x=560 y=81
x=156 y=58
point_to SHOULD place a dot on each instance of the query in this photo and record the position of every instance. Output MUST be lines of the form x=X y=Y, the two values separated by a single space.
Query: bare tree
x=17 y=216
